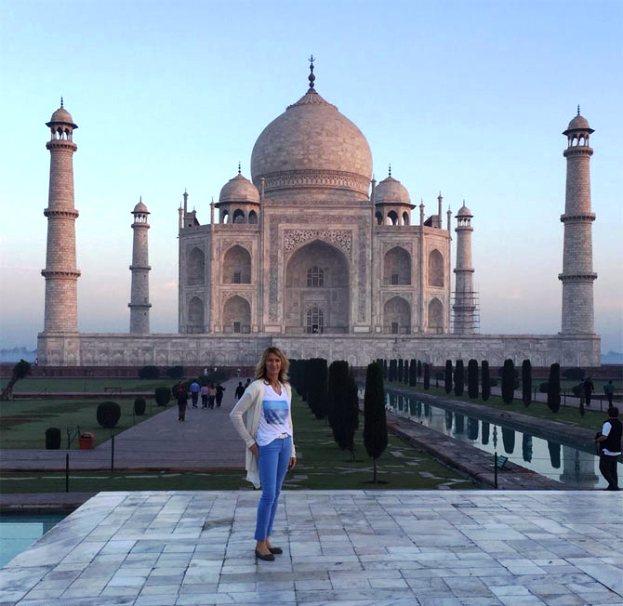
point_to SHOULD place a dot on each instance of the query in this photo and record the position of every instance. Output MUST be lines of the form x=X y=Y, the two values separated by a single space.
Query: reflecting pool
x=566 y=464
x=18 y=532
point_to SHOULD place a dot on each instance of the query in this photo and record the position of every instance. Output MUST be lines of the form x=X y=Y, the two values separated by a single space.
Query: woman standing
x=268 y=435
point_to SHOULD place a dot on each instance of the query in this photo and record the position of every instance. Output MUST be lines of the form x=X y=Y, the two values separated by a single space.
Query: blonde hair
x=260 y=369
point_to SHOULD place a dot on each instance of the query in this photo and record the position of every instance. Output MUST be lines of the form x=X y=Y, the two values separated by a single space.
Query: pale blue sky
x=465 y=97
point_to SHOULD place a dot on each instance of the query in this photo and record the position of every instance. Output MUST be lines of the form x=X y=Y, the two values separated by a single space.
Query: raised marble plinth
x=351 y=547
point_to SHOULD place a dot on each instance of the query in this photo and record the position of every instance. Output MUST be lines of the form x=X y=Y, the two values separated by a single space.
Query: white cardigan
x=251 y=403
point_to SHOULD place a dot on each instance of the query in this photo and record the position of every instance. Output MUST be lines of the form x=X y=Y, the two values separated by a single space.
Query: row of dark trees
x=331 y=393
x=479 y=380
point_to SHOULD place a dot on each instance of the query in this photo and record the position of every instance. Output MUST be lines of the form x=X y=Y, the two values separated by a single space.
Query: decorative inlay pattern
x=342 y=239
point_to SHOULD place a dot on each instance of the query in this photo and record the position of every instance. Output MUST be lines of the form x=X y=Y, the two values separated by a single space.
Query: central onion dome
x=312 y=145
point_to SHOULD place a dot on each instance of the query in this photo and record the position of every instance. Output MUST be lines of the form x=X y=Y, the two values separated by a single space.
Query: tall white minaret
x=464 y=297
x=577 y=260
x=139 y=298
x=60 y=273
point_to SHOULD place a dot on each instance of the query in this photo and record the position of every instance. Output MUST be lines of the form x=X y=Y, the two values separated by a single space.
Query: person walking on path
x=610 y=442
x=181 y=395
x=219 y=394
x=269 y=438
x=587 y=390
x=204 y=396
x=211 y=395
x=239 y=391
x=609 y=391
x=195 y=388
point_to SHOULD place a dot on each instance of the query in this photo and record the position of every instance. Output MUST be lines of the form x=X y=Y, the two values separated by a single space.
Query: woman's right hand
x=255 y=450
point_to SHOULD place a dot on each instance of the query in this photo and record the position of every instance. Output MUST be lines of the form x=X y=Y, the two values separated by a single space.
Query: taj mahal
x=314 y=256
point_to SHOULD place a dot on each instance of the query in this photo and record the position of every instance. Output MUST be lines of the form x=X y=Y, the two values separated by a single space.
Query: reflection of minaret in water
x=578 y=467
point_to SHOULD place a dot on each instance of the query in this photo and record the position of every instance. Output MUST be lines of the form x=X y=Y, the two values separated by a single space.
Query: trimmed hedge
x=139 y=407
x=108 y=414
x=162 y=395
x=52 y=438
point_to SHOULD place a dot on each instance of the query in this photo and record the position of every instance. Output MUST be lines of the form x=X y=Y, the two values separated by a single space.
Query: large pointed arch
x=195 y=273
x=436 y=269
x=304 y=288
x=236 y=315
x=397 y=316
x=237 y=265
x=397 y=266
x=196 y=316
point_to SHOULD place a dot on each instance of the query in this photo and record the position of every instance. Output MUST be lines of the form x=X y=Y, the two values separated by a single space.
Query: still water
x=571 y=466
x=18 y=532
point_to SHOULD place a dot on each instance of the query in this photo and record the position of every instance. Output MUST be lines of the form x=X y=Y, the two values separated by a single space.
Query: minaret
x=60 y=273
x=139 y=297
x=464 y=297
x=577 y=261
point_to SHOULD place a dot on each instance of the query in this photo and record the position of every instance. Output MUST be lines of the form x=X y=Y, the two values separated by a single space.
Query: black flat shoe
x=268 y=557
x=275 y=550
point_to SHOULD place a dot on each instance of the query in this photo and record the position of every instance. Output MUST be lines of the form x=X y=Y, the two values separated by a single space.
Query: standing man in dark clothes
x=239 y=390
x=219 y=394
x=588 y=388
x=610 y=442
x=609 y=391
x=247 y=384
x=181 y=395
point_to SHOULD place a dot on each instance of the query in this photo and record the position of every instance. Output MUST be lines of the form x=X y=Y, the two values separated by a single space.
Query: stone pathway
x=206 y=440
x=351 y=548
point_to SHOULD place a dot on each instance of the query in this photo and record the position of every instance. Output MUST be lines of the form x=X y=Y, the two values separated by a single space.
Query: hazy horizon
x=466 y=98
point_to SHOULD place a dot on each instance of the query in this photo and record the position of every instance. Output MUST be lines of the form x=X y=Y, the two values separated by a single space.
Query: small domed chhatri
x=239 y=189
x=312 y=145
x=578 y=123
x=391 y=191
x=464 y=211
x=141 y=208
x=62 y=116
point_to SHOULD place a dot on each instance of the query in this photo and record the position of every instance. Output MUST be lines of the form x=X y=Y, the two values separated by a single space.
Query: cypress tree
x=344 y=405
x=405 y=372
x=426 y=376
x=448 y=376
x=317 y=387
x=413 y=372
x=336 y=392
x=459 y=378
x=554 y=452
x=400 y=370
x=419 y=368
x=526 y=382
x=485 y=380
x=393 y=370
x=553 y=388
x=385 y=370
x=508 y=381
x=472 y=379
x=374 y=419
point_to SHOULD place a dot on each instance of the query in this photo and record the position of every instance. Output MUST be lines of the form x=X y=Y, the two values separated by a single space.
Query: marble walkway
x=351 y=548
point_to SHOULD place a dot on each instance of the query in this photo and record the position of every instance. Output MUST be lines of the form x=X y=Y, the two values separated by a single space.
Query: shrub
x=108 y=414
x=485 y=380
x=574 y=374
x=149 y=372
x=175 y=372
x=448 y=377
x=426 y=376
x=553 y=391
x=139 y=407
x=52 y=438
x=375 y=421
x=526 y=382
x=162 y=395
x=508 y=381
x=472 y=379
x=459 y=378
x=20 y=370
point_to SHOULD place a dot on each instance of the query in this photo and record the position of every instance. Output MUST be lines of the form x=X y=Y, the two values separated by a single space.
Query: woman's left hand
x=292 y=463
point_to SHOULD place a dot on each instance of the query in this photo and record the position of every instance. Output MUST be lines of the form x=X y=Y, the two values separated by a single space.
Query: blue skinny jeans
x=273 y=465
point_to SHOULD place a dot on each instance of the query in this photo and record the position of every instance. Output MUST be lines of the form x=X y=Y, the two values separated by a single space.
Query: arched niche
x=397 y=266
x=397 y=316
x=252 y=217
x=236 y=315
x=237 y=266
x=435 y=269
x=379 y=217
x=196 y=321
x=195 y=267
x=327 y=270
x=392 y=218
x=435 y=315
x=405 y=218
x=238 y=216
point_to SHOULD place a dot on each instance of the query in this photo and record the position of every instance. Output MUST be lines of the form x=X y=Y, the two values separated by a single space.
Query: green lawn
x=591 y=420
x=69 y=385
x=23 y=422
x=321 y=465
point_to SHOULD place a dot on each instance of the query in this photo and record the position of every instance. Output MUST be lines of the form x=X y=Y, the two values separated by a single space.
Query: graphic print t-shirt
x=274 y=417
